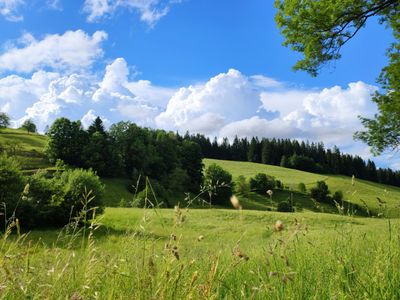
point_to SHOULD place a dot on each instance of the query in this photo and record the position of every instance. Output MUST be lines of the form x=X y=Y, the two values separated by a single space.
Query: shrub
x=284 y=207
x=278 y=184
x=242 y=187
x=77 y=184
x=41 y=202
x=320 y=192
x=338 y=196
x=302 y=187
x=11 y=184
x=219 y=183
x=261 y=183
x=154 y=196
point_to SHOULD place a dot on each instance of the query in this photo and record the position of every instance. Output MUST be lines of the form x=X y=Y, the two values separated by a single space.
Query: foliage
x=77 y=183
x=129 y=151
x=284 y=206
x=338 y=196
x=304 y=163
x=242 y=186
x=320 y=192
x=29 y=126
x=302 y=187
x=66 y=140
x=4 y=120
x=319 y=29
x=220 y=183
x=261 y=183
x=11 y=185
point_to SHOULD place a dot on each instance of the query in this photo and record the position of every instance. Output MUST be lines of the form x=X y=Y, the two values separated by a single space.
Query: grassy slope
x=362 y=190
x=29 y=147
x=115 y=190
x=325 y=257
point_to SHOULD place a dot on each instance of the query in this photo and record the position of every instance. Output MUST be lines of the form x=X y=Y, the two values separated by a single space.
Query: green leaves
x=319 y=29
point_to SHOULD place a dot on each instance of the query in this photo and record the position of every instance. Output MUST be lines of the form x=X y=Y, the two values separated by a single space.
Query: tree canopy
x=4 y=120
x=319 y=29
x=29 y=126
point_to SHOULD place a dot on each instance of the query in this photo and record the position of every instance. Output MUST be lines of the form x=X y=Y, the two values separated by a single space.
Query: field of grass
x=26 y=148
x=361 y=191
x=206 y=254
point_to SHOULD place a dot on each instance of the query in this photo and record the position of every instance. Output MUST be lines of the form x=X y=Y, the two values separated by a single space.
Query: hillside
x=361 y=191
x=27 y=148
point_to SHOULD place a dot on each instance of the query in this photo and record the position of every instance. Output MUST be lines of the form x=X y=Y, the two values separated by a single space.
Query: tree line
x=172 y=163
x=306 y=156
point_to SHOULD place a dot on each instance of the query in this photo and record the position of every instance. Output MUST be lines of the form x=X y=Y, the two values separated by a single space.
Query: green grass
x=115 y=190
x=26 y=148
x=132 y=256
x=361 y=191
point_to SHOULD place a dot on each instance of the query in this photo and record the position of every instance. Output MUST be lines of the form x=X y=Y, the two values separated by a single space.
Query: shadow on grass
x=301 y=201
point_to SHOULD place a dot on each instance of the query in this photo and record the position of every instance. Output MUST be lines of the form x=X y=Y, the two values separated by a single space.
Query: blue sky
x=214 y=67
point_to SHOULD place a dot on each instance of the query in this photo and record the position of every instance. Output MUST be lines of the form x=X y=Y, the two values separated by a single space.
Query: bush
x=11 y=184
x=338 y=196
x=302 y=187
x=278 y=184
x=41 y=201
x=242 y=187
x=155 y=196
x=284 y=207
x=320 y=192
x=219 y=183
x=78 y=184
x=261 y=183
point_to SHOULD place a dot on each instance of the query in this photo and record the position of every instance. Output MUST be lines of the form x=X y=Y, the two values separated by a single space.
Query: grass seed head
x=235 y=202
x=279 y=226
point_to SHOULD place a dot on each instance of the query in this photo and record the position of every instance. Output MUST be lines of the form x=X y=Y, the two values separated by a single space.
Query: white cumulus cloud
x=46 y=96
x=72 y=50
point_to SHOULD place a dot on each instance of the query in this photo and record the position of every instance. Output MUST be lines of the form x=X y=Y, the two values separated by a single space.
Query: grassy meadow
x=187 y=253
x=206 y=254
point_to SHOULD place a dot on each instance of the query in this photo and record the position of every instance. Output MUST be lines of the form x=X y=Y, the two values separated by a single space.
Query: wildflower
x=270 y=193
x=200 y=238
x=279 y=226
x=235 y=202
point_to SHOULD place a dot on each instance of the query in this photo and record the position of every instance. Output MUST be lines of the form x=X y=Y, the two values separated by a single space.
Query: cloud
x=150 y=11
x=55 y=5
x=46 y=96
x=226 y=105
x=9 y=9
x=231 y=96
x=73 y=50
x=232 y=103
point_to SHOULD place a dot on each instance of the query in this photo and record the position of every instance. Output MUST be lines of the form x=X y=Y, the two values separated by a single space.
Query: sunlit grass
x=143 y=254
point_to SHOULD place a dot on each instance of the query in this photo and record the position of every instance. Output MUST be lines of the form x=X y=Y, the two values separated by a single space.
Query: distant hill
x=361 y=191
x=27 y=148
x=29 y=151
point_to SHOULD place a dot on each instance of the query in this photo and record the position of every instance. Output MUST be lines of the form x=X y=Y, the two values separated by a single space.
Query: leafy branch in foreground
x=319 y=29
